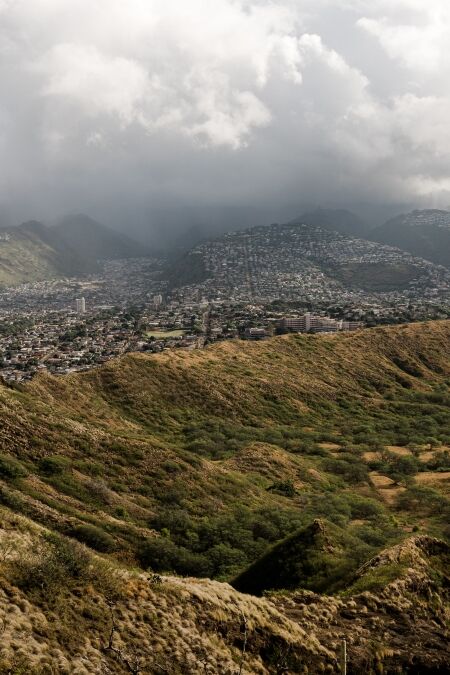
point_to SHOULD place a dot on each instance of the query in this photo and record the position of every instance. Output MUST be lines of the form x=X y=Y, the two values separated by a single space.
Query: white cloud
x=181 y=66
x=233 y=99
x=419 y=40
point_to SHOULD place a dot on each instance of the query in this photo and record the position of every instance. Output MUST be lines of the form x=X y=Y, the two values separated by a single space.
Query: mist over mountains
x=73 y=246
x=33 y=251
x=423 y=233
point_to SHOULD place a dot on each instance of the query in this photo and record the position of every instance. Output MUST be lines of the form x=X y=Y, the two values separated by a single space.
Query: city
x=67 y=325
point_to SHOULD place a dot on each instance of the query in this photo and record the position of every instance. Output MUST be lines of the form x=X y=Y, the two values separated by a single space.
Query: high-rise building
x=157 y=300
x=81 y=305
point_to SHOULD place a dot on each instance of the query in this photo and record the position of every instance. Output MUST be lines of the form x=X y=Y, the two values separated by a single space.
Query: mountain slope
x=422 y=233
x=66 y=610
x=91 y=239
x=30 y=253
x=199 y=463
x=315 y=558
x=228 y=449
x=292 y=260
x=393 y=616
x=34 y=252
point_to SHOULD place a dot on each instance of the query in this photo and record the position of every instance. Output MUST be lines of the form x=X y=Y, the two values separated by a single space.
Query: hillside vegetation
x=35 y=252
x=202 y=462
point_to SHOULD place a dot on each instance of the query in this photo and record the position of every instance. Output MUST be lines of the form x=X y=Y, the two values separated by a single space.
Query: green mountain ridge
x=312 y=558
x=34 y=252
x=202 y=463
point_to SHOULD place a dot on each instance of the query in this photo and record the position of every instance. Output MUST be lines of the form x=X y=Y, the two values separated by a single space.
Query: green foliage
x=163 y=555
x=11 y=468
x=319 y=557
x=376 y=579
x=94 y=537
x=350 y=468
x=53 y=565
x=283 y=487
x=54 y=465
x=423 y=500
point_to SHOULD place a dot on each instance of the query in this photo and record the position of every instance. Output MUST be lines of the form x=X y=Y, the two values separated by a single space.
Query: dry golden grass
x=398 y=450
x=380 y=481
x=171 y=625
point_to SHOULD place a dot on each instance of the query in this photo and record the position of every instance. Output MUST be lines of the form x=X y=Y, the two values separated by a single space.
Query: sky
x=159 y=115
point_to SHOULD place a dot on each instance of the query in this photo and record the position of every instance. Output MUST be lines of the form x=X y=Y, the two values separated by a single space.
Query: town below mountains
x=235 y=462
x=92 y=294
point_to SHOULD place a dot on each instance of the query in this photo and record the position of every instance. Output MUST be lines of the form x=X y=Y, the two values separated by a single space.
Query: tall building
x=157 y=300
x=81 y=305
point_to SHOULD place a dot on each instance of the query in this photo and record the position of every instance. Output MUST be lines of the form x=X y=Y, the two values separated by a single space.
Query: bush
x=160 y=554
x=10 y=468
x=283 y=487
x=350 y=468
x=365 y=508
x=402 y=466
x=54 y=465
x=94 y=537
x=53 y=564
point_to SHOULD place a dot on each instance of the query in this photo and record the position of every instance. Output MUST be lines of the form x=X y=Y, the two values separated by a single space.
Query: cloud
x=419 y=41
x=111 y=105
x=187 y=69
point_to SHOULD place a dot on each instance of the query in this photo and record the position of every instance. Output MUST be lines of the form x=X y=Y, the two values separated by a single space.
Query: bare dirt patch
x=380 y=481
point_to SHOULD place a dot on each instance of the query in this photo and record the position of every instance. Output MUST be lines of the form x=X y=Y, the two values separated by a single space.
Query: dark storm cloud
x=134 y=109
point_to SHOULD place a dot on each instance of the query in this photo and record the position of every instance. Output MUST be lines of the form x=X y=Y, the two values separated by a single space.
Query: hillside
x=31 y=253
x=35 y=252
x=423 y=233
x=312 y=558
x=200 y=463
x=92 y=240
x=310 y=261
x=65 y=610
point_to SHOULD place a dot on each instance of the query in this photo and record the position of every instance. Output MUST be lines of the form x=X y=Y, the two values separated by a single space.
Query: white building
x=81 y=305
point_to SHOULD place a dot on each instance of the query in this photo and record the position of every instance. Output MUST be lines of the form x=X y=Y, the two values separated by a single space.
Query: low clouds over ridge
x=120 y=107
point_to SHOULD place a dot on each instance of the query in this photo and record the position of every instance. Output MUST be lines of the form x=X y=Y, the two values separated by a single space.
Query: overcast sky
x=146 y=113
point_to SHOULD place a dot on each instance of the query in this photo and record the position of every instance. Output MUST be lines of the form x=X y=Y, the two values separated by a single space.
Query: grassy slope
x=227 y=450
x=59 y=604
x=26 y=258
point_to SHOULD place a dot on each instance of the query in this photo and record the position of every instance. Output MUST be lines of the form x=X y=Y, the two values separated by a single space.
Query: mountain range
x=423 y=233
x=302 y=260
x=313 y=469
x=36 y=252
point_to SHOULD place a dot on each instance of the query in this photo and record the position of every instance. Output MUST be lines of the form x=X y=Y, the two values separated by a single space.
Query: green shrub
x=376 y=579
x=283 y=487
x=160 y=554
x=350 y=468
x=10 y=468
x=54 y=465
x=94 y=537
x=57 y=561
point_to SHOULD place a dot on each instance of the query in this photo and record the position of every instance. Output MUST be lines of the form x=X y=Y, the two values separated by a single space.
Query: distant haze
x=159 y=116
